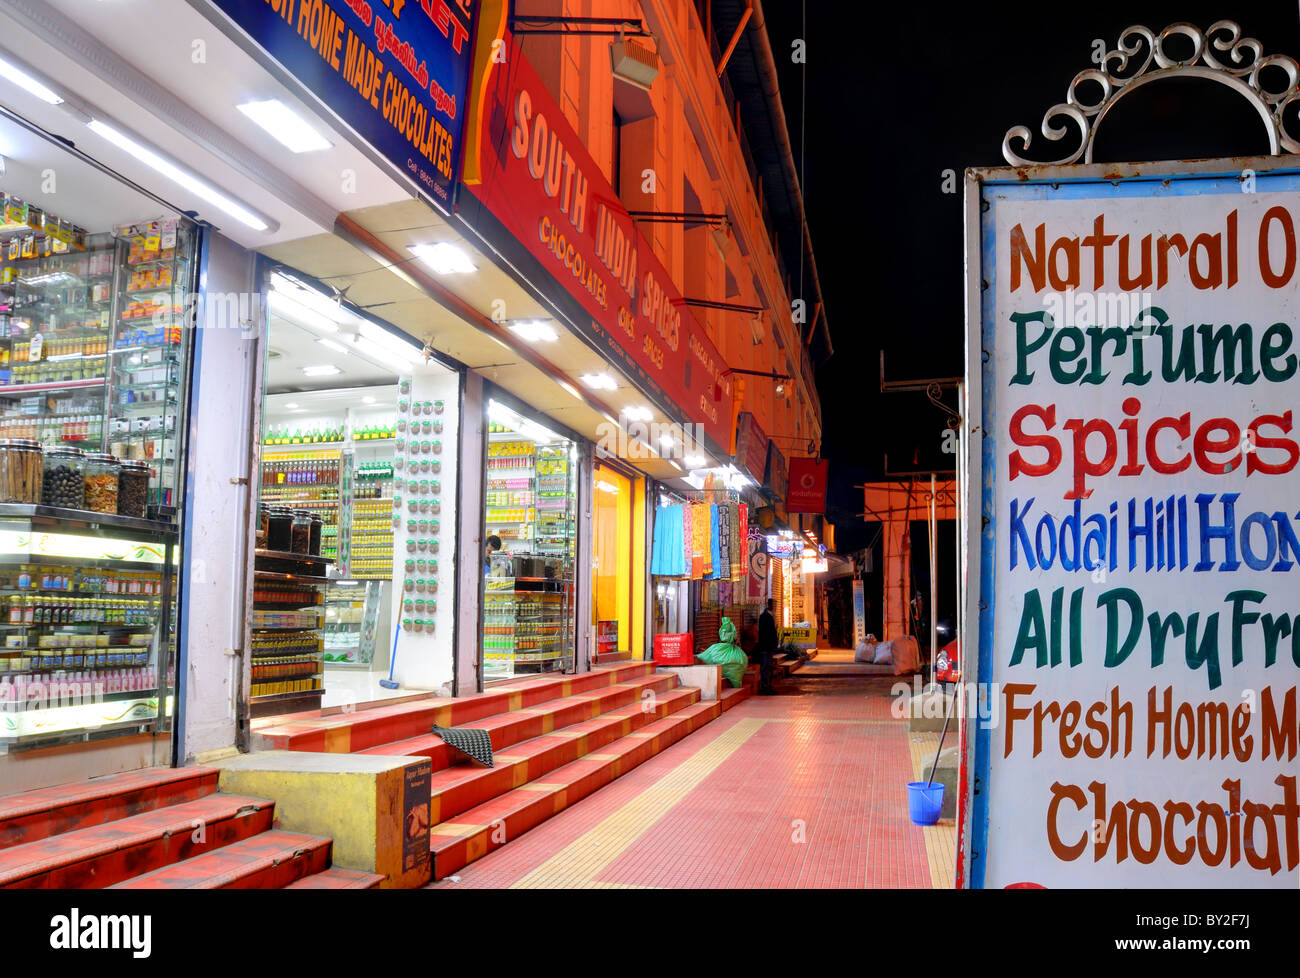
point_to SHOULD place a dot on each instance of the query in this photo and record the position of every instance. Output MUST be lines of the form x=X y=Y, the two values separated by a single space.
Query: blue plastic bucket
x=924 y=802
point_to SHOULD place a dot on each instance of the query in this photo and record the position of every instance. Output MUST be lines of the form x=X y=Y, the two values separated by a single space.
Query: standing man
x=767 y=640
x=493 y=544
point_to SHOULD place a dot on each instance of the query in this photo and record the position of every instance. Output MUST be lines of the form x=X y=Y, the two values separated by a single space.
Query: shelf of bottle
x=306 y=694
x=51 y=386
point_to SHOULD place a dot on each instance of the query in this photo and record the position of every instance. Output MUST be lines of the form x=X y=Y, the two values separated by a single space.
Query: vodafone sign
x=807 y=486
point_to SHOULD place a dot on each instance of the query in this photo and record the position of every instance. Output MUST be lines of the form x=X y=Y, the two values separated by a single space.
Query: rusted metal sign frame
x=981 y=448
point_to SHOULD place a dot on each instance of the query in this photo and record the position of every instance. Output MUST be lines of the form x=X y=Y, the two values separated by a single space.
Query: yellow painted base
x=375 y=809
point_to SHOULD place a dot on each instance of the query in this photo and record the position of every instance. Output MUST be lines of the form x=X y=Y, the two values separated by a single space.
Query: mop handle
x=939 y=750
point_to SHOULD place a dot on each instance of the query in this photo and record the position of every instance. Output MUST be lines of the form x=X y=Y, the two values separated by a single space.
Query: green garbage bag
x=726 y=653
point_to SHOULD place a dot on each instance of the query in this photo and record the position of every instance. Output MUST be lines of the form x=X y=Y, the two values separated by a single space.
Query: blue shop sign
x=395 y=71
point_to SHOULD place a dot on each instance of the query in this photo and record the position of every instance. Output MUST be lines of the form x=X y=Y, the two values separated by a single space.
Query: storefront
x=359 y=444
x=96 y=284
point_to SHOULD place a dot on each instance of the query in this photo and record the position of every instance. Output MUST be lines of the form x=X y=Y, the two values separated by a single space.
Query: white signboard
x=1137 y=599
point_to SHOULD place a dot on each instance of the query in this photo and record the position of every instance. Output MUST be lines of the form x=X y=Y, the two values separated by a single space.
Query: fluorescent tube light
x=321 y=370
x=285 y=125
x=28 y=84
x=444 y=258
x=283 y=304
x=177 y=175
x=534 y=330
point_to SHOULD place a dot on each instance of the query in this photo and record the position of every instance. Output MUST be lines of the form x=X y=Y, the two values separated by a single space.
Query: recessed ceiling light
x=322 y=370
x=174 y=173
x=535 y=330
x=286 y=125
x=444 y=258
x=333 y=346
x=666 y=441
x=599 y=381
x=28 y=83
x=367 y=400
x=694 y=461
x=291 y=406
x=638 y=413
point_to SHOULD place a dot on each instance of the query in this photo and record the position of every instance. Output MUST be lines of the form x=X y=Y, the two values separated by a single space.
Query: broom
x=392 y=664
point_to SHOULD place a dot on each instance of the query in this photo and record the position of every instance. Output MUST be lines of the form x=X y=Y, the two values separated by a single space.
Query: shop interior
x=530 y=562
x=355 y=454
x=94 y=276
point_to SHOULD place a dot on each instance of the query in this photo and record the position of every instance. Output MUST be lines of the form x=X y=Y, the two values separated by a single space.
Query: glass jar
x=20 y=470
x=100 y=475
x=317 y=525
x=300 y=541
x=279 y=528
x=263 y=527
x=61 y=480
x=133 y=489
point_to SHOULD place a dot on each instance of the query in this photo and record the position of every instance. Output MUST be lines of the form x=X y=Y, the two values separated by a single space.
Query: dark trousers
x=765 y=669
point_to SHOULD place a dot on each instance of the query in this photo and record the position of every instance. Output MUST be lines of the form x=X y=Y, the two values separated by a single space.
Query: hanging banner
x=756 y=587
x=751 y=447
x=807 y=493
x=535 y=176
x=394 y=71
x=859 y=614
x=1138 y=587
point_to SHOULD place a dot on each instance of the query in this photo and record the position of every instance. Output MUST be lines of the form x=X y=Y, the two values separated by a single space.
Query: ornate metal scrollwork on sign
x=1219 y=54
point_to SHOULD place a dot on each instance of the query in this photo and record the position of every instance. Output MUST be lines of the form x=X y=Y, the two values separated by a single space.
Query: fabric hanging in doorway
x=669 y=558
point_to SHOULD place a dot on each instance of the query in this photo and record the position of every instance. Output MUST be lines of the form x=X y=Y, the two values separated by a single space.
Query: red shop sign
x=536 y=178
x=807 y=486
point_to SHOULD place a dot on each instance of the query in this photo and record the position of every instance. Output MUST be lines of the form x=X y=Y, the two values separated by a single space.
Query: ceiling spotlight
x=780 y=390
x=638 y=413
x=444 y=258
x=599 y=381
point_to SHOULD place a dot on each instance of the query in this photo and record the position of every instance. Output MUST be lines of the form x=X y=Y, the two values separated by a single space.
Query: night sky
x=894 y=101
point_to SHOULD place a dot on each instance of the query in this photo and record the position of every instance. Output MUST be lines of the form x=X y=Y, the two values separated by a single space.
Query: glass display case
x=288 y=648
x=94 y=374
x=93 y=345
x=87 y=610
x=353 y=610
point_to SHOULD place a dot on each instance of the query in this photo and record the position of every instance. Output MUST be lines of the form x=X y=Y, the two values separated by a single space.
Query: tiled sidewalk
x=805 y=789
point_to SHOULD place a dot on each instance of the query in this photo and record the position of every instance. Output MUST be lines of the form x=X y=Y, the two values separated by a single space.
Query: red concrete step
x=33 y=815
x=507 y=729
x=346 y=733
x=101 y=855
x=491 y=825
x=267 y=861
x=460 y=788
x=337 y=878
x=733 y=695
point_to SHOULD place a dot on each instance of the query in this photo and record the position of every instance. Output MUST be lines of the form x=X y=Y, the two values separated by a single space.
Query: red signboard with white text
x=538 y=180
x=807 y=486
